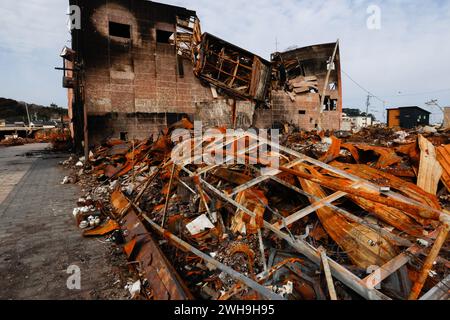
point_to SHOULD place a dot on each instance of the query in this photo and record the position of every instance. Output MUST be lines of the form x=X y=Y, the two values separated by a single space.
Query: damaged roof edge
x=209 y=35
x=330 y=45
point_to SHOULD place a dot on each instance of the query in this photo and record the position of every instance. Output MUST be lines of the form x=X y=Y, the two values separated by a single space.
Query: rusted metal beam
x=428 y=264
x=238 y=276
x=262 y=178
x=347 y=214
x=439 y=292
x=351 y=280
x=365 y=183
x=378 y=275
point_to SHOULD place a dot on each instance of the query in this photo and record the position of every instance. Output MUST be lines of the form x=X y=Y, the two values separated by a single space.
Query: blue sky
x=403 y=63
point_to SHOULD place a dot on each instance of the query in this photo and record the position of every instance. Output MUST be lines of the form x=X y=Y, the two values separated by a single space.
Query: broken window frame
x=113 y=30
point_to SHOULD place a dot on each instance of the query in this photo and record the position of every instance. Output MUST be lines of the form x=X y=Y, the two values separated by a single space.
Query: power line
x=419 y=93
x=364 y=89
x=393 y=96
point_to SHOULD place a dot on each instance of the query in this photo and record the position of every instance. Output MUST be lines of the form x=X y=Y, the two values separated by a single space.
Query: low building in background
x=355 y=123
x=408 y=117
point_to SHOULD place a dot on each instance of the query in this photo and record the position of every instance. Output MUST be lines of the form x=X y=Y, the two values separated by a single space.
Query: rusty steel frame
x=364 y=287
x=238 y=276
x=438 y=292
x=234 y=274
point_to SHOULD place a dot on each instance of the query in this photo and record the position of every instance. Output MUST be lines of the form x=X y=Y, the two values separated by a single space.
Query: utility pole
x=434 y=102
x=324 y=91
x=367 y=109
x=29 y=120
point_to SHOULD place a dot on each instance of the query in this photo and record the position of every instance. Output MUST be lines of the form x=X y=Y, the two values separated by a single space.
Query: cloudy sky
x=404 y=62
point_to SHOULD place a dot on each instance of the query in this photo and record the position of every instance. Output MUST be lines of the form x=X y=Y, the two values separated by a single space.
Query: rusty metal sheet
x=346 y=186
x=350 y=147
x=333 y=151
x=254 y=200
x=108 y=227
x=364 y=246
x=401 y=220
x=387 y=158
x=382 y=178
x=118 y=202
x=163 y=279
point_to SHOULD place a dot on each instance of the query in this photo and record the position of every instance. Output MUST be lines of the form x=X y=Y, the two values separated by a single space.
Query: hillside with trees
x=12 y=111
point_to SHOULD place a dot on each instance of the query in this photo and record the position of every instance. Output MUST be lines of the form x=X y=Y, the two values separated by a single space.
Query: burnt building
x=308 y=91
x=408 y=117
x=137 y=66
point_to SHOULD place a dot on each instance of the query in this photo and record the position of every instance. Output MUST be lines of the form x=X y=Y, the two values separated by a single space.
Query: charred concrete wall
x=297 y=100
x=130 y=68
x=133 y=83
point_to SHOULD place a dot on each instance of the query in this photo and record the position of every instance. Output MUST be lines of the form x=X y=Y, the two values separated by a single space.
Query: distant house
x=408 y=117
x=349 y=123
x=2 y=122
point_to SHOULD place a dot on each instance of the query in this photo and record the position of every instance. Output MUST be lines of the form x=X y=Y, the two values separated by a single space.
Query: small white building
x=355 y=123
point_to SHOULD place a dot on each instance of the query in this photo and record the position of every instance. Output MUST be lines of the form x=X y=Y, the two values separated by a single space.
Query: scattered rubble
x=335 y=219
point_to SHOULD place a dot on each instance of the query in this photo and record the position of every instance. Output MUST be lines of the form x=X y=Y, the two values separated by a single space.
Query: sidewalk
x=38 y=237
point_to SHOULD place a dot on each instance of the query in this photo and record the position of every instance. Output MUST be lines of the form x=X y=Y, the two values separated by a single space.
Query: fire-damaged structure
x=241 y=215
x=136 y=67
x=312 y=78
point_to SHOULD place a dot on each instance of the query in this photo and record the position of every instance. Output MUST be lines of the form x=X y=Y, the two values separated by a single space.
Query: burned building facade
x=138 y=66
x=307 y=91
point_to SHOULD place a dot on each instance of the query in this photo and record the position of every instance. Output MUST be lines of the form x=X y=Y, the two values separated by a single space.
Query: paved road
x=38 y=236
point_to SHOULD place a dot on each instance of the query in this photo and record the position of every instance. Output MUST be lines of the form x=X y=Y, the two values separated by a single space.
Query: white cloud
x=31 y=25
x=409 y=54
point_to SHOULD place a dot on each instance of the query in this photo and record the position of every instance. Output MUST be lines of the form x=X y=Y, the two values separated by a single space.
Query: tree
x=357 y=113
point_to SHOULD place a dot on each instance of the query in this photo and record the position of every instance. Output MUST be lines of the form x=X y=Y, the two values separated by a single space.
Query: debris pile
x=14 y=140
x=337 y=220
x=59 y=138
